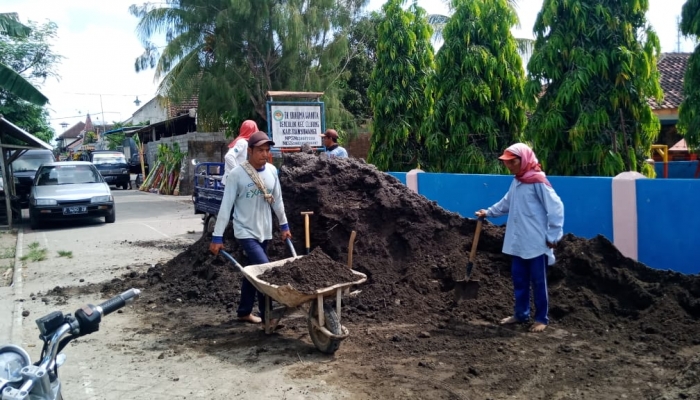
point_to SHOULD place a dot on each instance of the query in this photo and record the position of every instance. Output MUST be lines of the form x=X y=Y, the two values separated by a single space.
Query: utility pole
x=103 y=118
x=678 y=33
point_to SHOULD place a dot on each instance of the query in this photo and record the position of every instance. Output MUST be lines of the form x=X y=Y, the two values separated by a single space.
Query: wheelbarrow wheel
x=331 y=322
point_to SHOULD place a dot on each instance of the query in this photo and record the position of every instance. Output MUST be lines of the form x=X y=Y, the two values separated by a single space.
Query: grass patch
x=7 y=253
x=35 y=253
x=67 y=254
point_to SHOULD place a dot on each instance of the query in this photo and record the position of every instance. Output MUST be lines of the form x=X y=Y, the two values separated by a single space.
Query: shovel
x=469 y=289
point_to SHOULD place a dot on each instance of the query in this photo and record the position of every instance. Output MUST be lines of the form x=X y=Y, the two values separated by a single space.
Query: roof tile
x=672 y=68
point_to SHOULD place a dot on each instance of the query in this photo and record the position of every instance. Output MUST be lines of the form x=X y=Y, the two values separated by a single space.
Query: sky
x=99 y=42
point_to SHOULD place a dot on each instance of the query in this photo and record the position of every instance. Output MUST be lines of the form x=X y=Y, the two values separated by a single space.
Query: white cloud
x=98 y=41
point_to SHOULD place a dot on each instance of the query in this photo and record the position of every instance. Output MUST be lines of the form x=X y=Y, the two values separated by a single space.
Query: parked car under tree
x=69 y=190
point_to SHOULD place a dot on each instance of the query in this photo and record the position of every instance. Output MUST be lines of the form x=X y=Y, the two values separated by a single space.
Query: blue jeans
x=256 y=253
x=525 y=272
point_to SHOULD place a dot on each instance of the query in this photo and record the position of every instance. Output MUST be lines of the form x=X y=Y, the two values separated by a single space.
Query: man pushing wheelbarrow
x=252 y=190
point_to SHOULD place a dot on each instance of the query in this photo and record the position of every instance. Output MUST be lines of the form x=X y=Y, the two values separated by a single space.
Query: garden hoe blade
x=469 y=288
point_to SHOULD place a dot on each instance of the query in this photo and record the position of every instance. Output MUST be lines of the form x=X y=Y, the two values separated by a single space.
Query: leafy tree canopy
x=689 y=110
x=231 y=52
x=478 y=88
x=398 y=90
x=592 y=70
x=32 y=57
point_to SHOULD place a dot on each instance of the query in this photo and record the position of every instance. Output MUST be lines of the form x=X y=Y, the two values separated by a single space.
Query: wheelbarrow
x=325 y=329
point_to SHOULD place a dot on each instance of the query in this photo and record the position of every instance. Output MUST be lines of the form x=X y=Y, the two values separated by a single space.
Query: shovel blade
x=466 y=290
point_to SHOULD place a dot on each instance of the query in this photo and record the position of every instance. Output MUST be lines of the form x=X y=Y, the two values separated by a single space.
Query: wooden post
x=338 y=302
x=319 y=306
x=8 y=203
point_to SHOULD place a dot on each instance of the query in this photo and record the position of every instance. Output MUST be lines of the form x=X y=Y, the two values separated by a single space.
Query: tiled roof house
x=672 y=67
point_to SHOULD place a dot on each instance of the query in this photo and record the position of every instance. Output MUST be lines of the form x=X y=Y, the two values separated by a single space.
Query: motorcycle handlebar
x=119 y=301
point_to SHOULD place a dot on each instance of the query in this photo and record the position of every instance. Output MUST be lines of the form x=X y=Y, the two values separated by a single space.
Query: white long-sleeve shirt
x=252 y=218
x=235 y=157
x=535 y=217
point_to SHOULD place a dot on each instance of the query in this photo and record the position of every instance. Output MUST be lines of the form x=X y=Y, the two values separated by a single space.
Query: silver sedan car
x=69 y=190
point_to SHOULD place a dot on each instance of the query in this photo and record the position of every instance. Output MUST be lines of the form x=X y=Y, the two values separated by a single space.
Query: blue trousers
x=256 y=253
x=525 y=272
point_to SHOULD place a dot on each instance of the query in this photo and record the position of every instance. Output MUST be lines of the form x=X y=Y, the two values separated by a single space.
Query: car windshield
x=108 y=159
x=67 y=175
x=24 y=164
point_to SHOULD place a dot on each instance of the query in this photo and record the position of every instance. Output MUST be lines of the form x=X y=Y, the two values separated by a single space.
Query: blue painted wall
x=587 y=205
x=587 y=200
x=677 y=169
x=463 y=193
x=668 y=210
x=399 y=175
x=668 y=221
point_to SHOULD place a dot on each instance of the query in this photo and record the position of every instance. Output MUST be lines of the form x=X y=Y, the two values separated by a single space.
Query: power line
x=107 y=94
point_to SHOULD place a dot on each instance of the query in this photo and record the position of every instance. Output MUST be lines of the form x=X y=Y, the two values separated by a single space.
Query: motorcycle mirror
x=60 y=359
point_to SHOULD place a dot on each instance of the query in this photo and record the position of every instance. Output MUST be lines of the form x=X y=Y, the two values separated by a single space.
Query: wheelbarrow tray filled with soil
x=288 y=295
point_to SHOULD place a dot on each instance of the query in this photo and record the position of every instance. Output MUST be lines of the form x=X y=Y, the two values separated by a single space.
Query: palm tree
x=10 y=80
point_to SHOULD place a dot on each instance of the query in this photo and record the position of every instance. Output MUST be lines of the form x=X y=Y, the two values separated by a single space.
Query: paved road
x=115 y=363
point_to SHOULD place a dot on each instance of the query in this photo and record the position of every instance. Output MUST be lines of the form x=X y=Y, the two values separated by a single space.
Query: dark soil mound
x=619 y=320
x=412 y=251
x=314 y=271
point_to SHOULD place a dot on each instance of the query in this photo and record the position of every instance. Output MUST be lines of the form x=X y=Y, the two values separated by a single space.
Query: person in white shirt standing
x=252 y=191
x=535 y=225
x=238 y=148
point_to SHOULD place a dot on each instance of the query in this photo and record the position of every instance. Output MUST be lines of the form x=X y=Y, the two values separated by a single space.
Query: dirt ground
x=619 y=330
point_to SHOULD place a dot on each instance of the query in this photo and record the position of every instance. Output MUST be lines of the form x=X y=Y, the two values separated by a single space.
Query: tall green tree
x=439 y=21
x=592 y=70
x=478 y=87
x=398 y=92
x=689 y=110
x=231 y=53
x=12 y=81
x=358 y=76
x=33 y=58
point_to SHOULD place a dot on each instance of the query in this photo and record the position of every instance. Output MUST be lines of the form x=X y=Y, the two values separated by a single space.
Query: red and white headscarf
x=530 y=168
x=248 y=128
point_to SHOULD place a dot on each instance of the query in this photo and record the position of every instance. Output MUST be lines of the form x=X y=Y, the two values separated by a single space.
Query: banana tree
x=10 y=80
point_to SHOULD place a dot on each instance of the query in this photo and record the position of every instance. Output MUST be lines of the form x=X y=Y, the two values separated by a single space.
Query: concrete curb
x=17 y=286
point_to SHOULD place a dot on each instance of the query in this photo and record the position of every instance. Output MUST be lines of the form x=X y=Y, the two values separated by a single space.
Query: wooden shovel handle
x=351 y=244
x=475 y=242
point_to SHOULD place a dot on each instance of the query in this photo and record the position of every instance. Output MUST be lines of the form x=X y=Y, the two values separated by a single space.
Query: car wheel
x=111 y=217
x=33 y=220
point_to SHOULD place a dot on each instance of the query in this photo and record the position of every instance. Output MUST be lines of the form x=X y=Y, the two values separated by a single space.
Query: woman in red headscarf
x=238 y=148
x=535 y=224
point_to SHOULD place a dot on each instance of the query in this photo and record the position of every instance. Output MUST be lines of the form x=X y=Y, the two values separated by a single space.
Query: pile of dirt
x=412 y=251
x=310 y=273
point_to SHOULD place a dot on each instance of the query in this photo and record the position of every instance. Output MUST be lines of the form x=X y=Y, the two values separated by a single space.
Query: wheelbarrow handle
x=291 y=247
x=230 y=258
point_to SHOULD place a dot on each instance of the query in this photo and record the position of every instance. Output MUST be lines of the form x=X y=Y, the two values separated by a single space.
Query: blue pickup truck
x=208 y=193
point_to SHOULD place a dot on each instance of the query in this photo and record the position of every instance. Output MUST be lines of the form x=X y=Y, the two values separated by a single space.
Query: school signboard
x=293 y=124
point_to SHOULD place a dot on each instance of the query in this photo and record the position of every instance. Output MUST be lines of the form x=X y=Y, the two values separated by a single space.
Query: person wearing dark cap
x=252 y=191
x=330 y=141
x=535 y=225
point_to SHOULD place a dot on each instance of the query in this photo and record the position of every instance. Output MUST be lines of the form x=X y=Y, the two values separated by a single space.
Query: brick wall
x=359 y=146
